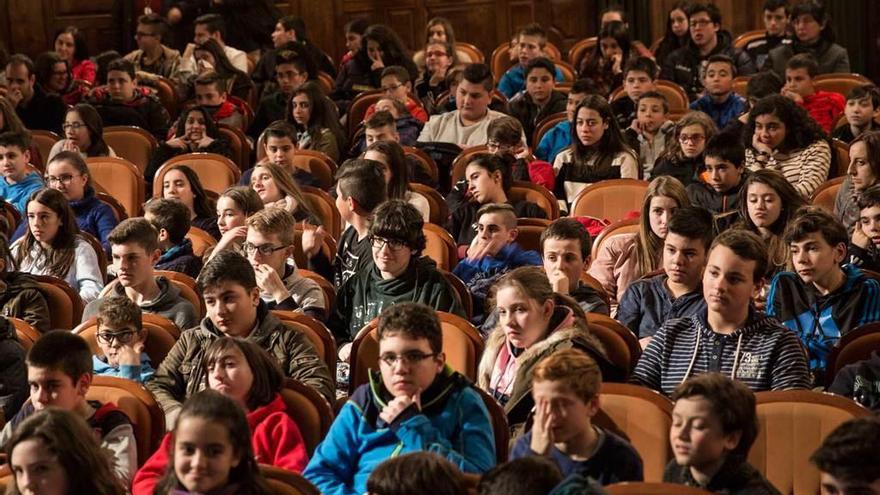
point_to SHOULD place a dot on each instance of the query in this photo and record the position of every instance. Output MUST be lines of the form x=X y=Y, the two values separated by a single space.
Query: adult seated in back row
x=36 y=109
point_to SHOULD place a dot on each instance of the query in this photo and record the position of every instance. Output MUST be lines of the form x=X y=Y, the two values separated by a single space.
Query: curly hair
x=801 y=130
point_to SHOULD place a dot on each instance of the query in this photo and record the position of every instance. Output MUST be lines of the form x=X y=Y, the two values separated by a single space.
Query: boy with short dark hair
x=123 y=102
x=395 y=82
x=211 y=93
x=505 y=138
x=360 y=189
x=291 y=72
x=714 y=424
x=121 y=337
x=269 y=247
x=864 y=245
x=533 y=475
x=492 y=253
x=821 y=301
x=415 y=402
x=729 y=336
x=565 y=250
x=651 y=131
x=824 y=106
x=279 y=142
x=724 y=157
x=152 y=58
x=59 y=369
x=776 y=14
x=234 y=308
x=531 y=42
x=540 y=99
x=17 y=182
x=171 y=219
x=639 y=75
x=418 y=472
x=559 y=136
x=677 y=292
x=565 y=387
x=862 y=107
x=848 y=458
x=719 y=101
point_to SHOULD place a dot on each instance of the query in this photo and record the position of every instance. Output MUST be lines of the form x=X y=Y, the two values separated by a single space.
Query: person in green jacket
x=398 y=273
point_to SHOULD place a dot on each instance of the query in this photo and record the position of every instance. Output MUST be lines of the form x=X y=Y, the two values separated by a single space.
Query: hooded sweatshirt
x=736 y=477
x=702 y=194
x=275 y=438
x=860 y=382
x=762 y=354
x=17 y=194
x=366 y=294
x=168 y=304
x=21 y=297
x=453 y=423
x=820 y=321
x=683 y=66
x=14 y=388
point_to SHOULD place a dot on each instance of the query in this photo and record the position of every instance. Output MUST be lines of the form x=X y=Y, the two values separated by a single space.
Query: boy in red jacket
x=824 y=106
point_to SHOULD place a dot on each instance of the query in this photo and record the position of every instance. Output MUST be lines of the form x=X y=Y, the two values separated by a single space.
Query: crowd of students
x=732 y=282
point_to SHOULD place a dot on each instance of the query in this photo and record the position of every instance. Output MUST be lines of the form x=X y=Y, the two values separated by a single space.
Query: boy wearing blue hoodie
x=821 y=301
x=17 y=183
x=415 y=402
x=121 y=337
x=492 y=253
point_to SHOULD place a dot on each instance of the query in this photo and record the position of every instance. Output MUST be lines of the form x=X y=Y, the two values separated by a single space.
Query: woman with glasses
x=83 y=133
x=683 y=158
x=439 y=58
x=533 y=322
x=315 y=119
x=68 y=173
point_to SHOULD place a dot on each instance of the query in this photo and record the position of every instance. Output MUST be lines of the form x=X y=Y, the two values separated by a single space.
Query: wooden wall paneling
x=569 y=21
x=27 y=26
x=474 y=22
x=93 y=18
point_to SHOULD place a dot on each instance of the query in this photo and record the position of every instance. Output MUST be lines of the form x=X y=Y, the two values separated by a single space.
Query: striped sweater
x=762 y=354
x=806 y=169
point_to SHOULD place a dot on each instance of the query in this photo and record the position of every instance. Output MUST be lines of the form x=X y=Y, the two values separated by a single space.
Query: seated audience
x=244 y=372
x=820 y=301
x=862 y=107
x=492 y=253
x=390 y=122
x=723 y=158
x=83 y=133
x=565 y=389
x=181 y=183
x=436 y=475
x=52 y=245
x=505 y=139
x=171 y=219
x=719 y=101
x=212 y=427
x=848 y=460
x=781 y=136
x=597 y=152
x=210 y=57
x=625 y=258
x=277 y=189
x=776 y=25
x=269 y=245
x=195 y=132
x=235 y=309
x=558 y=137
x=533 y=323
x=396 y=84
x=289 y=33
x=730 y=336
x=380 y=47
x=415 y=402
x=683 y=157
x=677 y=33
x=19 y=179
x=639 y=75
x=398 y=273
x=565 y=250
x=865 y=241
x=813 y=34
x=534 y=475
x=37 y=109
x=314 y=117
x=71 y=44
x=291 y=72
x=59 y=371
x=540 y=99
x=862 y=174
x=13 y=376
x=54 y=76
x=531 y=40
x=714 y=424
x=152 y=58
x=211 y=94
x=823 y=106
x=678 y=291
x=121 y=337
x=440 y=58
x=279 y=145
x=354 y=32
x=396 y=171
x=124 y=102
x=20 y=295
x=651 y=133
x=604 y=64
x=211 y=26
x=134 y=247
x=234 y=206
x=58 y=441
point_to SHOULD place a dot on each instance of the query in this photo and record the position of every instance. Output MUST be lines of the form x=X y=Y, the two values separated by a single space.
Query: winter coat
x=684 y=65
x=168 y=304
x=514 y=80
x=21 y=297
x=45 y=112
x=759 y=49
x=647 y=303
x=831 y=57
x=615 y=266
x=722 y=113
x=530 y=114
x=703 y=195
x=686 y=170
x=650 y=152
x=825 y=107
x=180 y=258
x=860 y=382
x=144 y=111
x=14 y=388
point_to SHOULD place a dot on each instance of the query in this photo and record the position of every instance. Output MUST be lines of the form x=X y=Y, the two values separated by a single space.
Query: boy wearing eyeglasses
x=269 y=248
x=396 y=85
x=398 y=273
x=415 y=402
x=121 y=337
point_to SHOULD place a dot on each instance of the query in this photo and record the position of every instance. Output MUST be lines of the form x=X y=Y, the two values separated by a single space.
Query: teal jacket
x=17 y=194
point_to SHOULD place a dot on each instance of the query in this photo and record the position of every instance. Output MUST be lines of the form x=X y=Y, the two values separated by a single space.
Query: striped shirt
x=762 y=354
x=805 y=169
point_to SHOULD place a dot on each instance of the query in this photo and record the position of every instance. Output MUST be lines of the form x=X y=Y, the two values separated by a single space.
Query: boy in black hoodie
x=724 y=157
x=714 y=424
x=122 y=102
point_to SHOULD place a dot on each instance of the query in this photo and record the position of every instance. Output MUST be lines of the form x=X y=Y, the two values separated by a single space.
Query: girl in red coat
x=246 y=373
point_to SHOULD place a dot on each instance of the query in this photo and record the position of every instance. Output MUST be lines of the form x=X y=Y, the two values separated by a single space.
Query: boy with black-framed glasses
x=121 y=337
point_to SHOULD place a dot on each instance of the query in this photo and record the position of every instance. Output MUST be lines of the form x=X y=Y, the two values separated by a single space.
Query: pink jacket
x=615 y=266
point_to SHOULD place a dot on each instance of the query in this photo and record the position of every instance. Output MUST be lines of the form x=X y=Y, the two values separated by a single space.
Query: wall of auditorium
x=30 y=24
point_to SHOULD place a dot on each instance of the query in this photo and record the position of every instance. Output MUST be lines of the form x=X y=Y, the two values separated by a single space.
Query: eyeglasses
x=61 y=179
x=495 y=146
x=698 y=23
x=388 y=89
x=123 y=337
x=693 y=138
x=407 y=358
x=265 y=249
x=393 y=244
x=75 y=126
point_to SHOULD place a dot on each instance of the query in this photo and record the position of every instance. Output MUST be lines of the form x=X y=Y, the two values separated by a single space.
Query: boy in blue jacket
x=821 y=301
x=16 y=182
x=121 y=337
x=492 y=253
x=413 y=403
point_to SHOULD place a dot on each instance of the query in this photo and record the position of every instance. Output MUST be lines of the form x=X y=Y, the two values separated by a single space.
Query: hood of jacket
x=725 y=42
x=169 y=295
x=255 y=417
x=19 y=281
x=408 y=281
